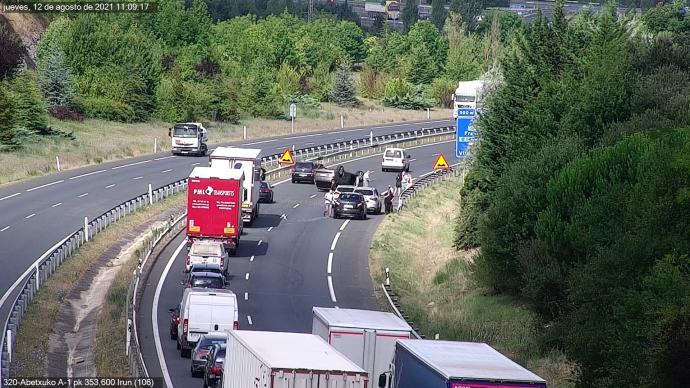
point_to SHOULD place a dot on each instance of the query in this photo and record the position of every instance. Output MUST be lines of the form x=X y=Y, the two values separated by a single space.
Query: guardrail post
x=38 y=281
x=150 y=196
x=86 y=228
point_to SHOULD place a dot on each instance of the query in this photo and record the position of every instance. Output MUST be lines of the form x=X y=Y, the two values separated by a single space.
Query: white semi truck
x=287 y=360
x=469 y=94
x=188 y=138
x=249 y=161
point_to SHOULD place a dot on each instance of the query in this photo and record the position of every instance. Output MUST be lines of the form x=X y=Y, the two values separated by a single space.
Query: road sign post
x=465 y=134
x=293 y=114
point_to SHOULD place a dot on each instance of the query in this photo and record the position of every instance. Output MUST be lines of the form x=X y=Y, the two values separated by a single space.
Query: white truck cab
x=469 y=94
x=188 y=138
x=203 y=311
x=249 y=161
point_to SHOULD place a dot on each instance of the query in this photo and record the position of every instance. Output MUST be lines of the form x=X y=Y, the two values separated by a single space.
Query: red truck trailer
x=214 y=206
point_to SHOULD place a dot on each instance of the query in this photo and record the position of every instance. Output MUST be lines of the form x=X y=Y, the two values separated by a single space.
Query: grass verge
x=98 y=141
x=437 y=290
x=32 y=342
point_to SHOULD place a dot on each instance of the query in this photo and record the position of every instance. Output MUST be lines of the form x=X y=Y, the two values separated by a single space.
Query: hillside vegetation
x=579 y=192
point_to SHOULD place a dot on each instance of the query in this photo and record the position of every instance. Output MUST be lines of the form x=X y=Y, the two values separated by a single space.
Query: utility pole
x=311 y=10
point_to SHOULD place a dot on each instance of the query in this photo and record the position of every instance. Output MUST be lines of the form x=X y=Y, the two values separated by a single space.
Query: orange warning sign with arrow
x=441 y=163
x=286 y=158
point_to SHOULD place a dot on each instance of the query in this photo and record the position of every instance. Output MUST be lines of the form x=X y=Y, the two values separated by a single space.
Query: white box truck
x=469 y=94
x=249 y=161
x=266 y=359
x=202 y=311
x=365 y=337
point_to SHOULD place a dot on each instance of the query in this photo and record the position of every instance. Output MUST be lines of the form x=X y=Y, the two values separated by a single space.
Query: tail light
x=185 y=326
x=236 y=325
x=216 y=370
x=177 y=319
x=265 y=190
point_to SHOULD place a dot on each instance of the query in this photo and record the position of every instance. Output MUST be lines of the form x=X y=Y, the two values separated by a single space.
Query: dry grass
x=439 y=294
x=100 y=141
x=31 y=345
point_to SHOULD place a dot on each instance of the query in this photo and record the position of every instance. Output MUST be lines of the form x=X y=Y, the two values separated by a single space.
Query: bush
x=400 y=94
x=441 y=90
x=62 y=112
x=344 y=92
x=107 y=109
x=372 y=83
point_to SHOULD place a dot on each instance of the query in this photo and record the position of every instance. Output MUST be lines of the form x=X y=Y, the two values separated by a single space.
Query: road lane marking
x=5 y=228
x=57 y=204
x=249 y=319
x=342 y=227
x=168 y=170
x=83 y=195
x=46 y=185
x=412 y=160
x=335 y=240
x=196 y=164
x=330 y=288
x=281 y=182
x=246 y=276
x=109 y=186
x=330 y=262
x=131 y=164
x=154 y=314
x=87 y=174
x=296 y=206
x=246 y=296
x=339 y=139
x=282 y=216
x=260 y=241
x=251 y=259
x=30 y=215
x=313 y=195
x=139 y=177
x=270 y=229
x=309 y=143
x=164 y=157
x=9 y=196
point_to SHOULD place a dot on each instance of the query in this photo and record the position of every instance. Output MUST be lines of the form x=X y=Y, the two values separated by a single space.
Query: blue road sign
x=465 y=134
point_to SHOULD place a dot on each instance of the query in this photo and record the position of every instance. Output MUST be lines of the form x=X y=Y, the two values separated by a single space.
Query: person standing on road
x=388 y=199
x=398 y=184
x=333 y=184
x=367 y=178
x=328 y=203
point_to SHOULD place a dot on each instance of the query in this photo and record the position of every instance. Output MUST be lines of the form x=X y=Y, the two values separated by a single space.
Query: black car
x=265 y=192
x=201 y=351
x=350 y=204
x=204 y=280
x=174 y=321
x=303 y=172
x=214 y=366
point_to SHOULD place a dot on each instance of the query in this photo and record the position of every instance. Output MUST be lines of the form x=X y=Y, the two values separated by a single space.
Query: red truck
x=214 y=206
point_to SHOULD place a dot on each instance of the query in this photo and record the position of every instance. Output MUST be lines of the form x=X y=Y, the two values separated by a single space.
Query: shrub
x=108 y=109
x=372 y=83
x=344 y=92
x=441 y=90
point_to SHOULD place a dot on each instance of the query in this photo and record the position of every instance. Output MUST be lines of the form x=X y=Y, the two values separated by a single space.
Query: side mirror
x=382 y=380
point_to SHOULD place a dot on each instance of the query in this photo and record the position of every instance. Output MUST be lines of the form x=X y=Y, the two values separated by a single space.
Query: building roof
x=236 y=153
x=361 y=319
x=215 y=172
x=468 y=360
x=295 y=351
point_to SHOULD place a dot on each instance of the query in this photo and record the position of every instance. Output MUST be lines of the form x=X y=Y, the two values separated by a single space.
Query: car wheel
x=186 y=353
x=272 y=198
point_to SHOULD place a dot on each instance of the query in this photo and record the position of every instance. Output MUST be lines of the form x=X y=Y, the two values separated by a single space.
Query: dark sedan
x=205 y=280
x=303 y=172
x=202 y=349
x=265 y=192
x=350 y=204
x=214 y=366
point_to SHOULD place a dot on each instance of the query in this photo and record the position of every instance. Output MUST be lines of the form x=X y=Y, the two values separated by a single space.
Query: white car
x=207 y=252
x=394 y=159
x=372 y=198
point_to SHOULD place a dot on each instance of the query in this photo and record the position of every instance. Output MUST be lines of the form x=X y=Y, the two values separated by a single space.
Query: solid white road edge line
x=335 y=240
x=342 y=227
x=330 y=288
x=42 y=186
x=154 y=314
x=87 y=174
x=379 y=155
x=330 y=262
x=9 y=196
x=131 y=164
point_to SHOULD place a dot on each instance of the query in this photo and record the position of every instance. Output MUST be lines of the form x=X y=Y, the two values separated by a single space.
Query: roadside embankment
x=437 y=290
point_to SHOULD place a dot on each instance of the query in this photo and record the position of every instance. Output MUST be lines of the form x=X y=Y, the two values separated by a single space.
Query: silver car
x=372 y=198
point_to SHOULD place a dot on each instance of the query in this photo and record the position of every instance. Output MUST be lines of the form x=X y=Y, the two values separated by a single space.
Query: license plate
x=302 y=174
x=348 y=206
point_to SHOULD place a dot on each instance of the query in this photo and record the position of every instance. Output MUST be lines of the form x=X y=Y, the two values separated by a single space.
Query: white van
x=207 y=252
x=394 y=159
x=203 y=311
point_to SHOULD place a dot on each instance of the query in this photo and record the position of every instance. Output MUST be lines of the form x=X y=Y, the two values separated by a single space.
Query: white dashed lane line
x=57 y=204
x=87 y=174
x=164 y=157
x=4 y=229
x=246 y=276
x=249 y=319
x=46 y=185
x=259 y=243
x=196 y=164
x=251 y=259
x=296 y=206
x=344 y=225
x=131 y=164
x=270 y=229
x=313 y=195
x=9 y=196
x=83 y=195
x=109 y=186
x=139 y=177
x=30 y=215
x=246 y=296
x=335 y=241
x=168 y=170
x=330 y=288
x=330 y=262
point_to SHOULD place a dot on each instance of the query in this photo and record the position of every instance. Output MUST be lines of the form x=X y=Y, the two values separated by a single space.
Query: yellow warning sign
x=441 y=163
x=286 y=157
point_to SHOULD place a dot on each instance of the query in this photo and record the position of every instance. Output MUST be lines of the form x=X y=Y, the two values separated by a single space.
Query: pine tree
x=410 y=14
x=438 y=13
x=8 y=136
x=344 y=92
x=56 y=79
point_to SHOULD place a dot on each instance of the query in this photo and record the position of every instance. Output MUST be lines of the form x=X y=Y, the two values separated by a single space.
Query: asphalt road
x=38 y=213
x=292 y=259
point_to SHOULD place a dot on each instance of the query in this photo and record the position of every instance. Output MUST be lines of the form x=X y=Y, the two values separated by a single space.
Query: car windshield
x=184 y=131
x=207 y=282
x=350 y=197
x=393 y=154
x=206 y=268
x=264 y=185
x=464 y=98
x=220 y=356
x=365 y=191
x=303 y=165
x=207 y=342
x=205 y=250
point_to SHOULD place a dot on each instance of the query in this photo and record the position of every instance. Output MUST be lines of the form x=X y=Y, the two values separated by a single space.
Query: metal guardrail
x=420 y=184
x=46 y=266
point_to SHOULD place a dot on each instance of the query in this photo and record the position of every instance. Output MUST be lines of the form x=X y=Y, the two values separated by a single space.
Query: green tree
x=344 y=91
x=410 y=14
x=12 y=51
x=56 y=79
x=8 y=135
x=438 y=13
x=29 y=105
x=469 y=11
x=275 y=7
x=464 y=61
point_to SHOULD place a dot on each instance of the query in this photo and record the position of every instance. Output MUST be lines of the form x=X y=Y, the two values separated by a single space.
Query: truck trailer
x=214 y=200
x=248 y=161
x=365 y=337
x=287 y=360
x=451 y=364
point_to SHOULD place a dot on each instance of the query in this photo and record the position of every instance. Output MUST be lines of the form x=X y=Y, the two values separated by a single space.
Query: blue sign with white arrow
x=465 y=134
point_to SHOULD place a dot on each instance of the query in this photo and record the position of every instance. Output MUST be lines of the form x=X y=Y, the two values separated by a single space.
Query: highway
x=37 y=214
x=292 y=259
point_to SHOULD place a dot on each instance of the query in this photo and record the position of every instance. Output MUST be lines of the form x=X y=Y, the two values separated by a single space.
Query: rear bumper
x=393 y=167
x=322 y=185
x=348 y=212
x=264 y=197
x=302 y=177
x=198 y=365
